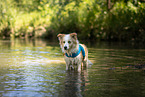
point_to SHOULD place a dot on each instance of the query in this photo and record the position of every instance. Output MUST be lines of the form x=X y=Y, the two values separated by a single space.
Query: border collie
x=75 y=54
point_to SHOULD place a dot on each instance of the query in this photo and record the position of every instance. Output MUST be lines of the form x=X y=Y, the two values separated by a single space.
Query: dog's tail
x=89 y=62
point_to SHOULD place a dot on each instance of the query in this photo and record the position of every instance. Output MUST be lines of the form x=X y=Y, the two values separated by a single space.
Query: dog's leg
x=67 y=63
x=67 y=66
x=79 y=67
x=85 y=63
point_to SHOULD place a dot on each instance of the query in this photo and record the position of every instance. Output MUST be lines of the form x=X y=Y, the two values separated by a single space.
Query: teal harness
x=73 y=55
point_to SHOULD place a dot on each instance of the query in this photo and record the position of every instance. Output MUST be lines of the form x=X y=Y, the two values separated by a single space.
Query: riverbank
x=124 y=21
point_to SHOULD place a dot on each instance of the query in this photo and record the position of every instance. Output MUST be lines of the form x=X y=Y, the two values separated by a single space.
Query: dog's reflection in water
x=75 y=83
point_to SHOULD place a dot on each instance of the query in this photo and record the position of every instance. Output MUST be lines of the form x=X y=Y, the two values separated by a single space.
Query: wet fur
x=71 y=42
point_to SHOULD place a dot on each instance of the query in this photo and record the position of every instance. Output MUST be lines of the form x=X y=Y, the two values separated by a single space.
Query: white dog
x=75 y=54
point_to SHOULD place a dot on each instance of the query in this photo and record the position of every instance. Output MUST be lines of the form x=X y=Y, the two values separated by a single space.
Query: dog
x=75 y=54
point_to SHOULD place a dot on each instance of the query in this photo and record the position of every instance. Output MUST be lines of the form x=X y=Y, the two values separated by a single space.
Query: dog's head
x=67 y=41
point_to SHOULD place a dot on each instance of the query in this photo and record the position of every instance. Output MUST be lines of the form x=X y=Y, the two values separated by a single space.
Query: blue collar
x=73 y=55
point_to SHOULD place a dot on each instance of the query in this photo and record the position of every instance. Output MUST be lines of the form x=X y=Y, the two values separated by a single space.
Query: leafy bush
x=124 y=22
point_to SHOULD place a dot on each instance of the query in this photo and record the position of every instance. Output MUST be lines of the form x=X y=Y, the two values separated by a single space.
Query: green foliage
x=90 y=19
x=6 y=17
x=125 y=22
x=20 y=22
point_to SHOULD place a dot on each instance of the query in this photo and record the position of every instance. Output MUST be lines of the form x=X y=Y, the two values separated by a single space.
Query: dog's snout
x=65 y=47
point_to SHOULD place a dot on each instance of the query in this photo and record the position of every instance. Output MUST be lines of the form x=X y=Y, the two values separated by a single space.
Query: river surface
x=36 y=68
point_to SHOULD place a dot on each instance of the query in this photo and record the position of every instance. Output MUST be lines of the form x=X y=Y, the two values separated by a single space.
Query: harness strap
x=73 y=55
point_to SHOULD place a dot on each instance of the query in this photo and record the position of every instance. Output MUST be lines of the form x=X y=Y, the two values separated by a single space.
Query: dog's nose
x=65 y=48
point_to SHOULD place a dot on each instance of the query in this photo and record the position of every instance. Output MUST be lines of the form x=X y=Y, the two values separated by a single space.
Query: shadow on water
x=36 y=68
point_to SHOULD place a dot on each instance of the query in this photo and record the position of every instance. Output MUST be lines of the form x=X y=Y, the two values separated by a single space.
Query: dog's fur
x=69 y=44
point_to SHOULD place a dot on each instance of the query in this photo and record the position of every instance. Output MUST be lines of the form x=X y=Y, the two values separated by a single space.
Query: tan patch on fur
x=60 y=37
x=74 y=35
x=86 y=51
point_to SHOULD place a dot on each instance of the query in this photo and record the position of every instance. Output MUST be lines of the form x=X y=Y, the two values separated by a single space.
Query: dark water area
x=36 y=68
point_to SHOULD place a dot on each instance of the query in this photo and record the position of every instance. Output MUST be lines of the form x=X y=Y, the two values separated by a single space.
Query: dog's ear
x=60 y=36
x=74 y=35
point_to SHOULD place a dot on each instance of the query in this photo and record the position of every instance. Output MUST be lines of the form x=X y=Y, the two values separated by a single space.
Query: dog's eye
x=63 y=41
x=69 y=42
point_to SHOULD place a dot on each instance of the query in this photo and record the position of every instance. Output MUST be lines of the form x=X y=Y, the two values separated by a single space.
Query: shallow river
x=36 y=68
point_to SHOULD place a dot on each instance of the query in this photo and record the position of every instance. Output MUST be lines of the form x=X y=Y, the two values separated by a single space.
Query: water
x=35 y=68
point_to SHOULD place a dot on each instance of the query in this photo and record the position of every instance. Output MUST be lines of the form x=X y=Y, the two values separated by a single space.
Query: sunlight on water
x=37 y=68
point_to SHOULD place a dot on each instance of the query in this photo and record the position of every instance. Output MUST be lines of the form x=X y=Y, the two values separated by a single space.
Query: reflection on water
x=75 y=84
x=36 y=68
